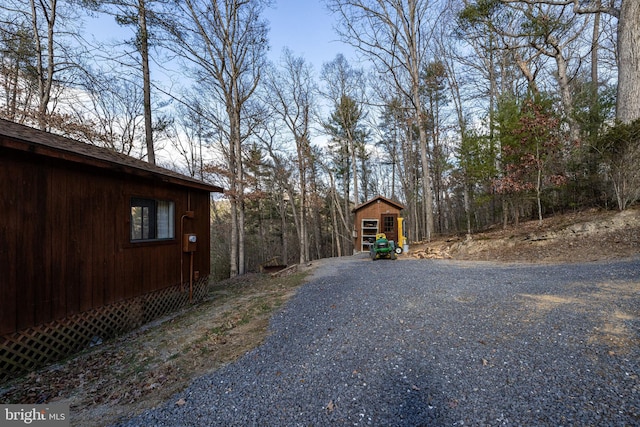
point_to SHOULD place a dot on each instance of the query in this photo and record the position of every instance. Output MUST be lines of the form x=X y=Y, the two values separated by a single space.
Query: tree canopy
x=468 y=112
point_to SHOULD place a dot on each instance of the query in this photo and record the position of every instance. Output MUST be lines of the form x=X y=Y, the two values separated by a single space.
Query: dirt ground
x=592 y=235
x=140 y=370
x=146 y=367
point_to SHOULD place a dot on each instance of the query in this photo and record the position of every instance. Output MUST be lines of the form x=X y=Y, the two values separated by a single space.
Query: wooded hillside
x=471 y=113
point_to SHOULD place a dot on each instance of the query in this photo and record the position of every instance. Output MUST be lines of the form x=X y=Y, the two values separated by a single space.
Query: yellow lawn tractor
x=382 y=248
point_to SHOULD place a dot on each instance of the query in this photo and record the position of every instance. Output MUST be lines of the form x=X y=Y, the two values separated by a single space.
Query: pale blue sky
x=305 y=27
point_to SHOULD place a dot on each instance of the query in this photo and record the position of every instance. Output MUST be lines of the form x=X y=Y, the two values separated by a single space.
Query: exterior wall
x=65 y=239
x=374 y=210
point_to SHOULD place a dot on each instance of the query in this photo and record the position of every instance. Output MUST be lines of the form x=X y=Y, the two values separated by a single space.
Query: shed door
x=390 y=226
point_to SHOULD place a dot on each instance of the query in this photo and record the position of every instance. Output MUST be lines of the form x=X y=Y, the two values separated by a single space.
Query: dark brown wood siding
x=65 y=239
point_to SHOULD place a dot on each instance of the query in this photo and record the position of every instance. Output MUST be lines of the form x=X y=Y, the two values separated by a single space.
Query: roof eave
x=368 y=202
x=18 y=142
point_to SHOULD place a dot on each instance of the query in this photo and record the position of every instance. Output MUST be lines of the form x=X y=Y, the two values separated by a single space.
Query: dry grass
x=146 y=367
x=601 y=304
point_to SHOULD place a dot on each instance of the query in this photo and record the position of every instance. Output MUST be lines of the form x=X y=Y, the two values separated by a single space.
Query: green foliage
x=619 y=139
x=434 y=79
x=593 y=108
x=345 y=120
x=531 y=145
x=18 y=46
x=348 y=137
x=506 y=121
x=475 y=13
x=476 y=157
x=18 y=68
x=540 y=24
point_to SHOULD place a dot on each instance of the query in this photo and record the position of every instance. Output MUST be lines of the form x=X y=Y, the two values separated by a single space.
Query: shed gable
x=375 y=216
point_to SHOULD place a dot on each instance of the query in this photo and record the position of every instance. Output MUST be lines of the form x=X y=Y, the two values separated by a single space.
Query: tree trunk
x=45 y=72
x=565 y=91
x=334 y=218
x=346 y=213
x=303 y=241
x=628 y=99
x=294 y=211
x=414 y=70
x=595 y=45
x=146 y=80
x=283 y=231
x=240 y=205
x=426 y=179
x=233 y=250
x=539 y=184
x=354 y=171
x=233 y=200
x=467 y=206
x=316 y=223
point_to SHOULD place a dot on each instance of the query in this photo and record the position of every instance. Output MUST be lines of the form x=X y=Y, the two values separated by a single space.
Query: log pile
x=430 y=253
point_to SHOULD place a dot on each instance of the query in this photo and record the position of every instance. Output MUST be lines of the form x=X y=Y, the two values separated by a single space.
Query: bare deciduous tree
x=628 y=14
x=224 y=43
x=290 y=94
x=395 y=35
x=344 y=83
x=37 y=35
x=140 y=15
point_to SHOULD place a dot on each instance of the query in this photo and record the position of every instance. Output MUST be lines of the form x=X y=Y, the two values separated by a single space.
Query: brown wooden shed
x=378 y=215
x=92 y=243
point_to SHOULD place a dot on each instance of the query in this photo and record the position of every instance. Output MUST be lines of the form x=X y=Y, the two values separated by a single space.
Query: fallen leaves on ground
x=137 y=371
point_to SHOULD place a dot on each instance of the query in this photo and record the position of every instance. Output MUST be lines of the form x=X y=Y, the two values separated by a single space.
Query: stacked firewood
x=430 y=253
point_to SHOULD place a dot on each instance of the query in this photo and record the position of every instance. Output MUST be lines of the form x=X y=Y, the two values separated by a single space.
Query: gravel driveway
x=431 y=343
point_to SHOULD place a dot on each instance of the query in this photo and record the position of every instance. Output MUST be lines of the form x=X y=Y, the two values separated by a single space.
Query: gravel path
x=436 y=343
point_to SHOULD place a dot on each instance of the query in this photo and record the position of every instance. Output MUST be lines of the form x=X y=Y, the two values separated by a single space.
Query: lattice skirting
x=31 y=348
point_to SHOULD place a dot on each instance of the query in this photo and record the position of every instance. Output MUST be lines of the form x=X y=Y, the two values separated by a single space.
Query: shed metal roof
x=24 y=138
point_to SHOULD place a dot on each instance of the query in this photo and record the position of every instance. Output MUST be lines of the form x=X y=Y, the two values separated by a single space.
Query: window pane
x=388 y=224
x=165 y=220
x=136 y=222
x=146 y=226
x=140 y=224
x=152 y=219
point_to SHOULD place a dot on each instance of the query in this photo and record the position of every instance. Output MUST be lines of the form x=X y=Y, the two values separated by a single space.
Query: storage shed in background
x=378 y=215
x=92 y=243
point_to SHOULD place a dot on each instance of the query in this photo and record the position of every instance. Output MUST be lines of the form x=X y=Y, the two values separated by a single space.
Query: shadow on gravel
x=419 y=408
x=435 y=343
